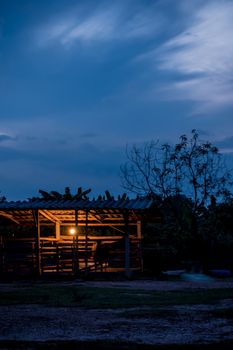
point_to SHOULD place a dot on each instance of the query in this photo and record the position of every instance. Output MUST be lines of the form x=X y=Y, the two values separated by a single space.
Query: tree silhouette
x=67 y=195
x=108 y=196
x=2 y=198
x=80 y=194
x=192 y=168
x=190 y=173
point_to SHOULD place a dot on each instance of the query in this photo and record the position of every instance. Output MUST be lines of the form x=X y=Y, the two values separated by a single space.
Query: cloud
x=225 y=145
x=88 y=135
x=86 y=164
x=99 y=26
x=102 y=24
x=209 y=92
x=206 y=46
x=5 y=137
x=200 y=57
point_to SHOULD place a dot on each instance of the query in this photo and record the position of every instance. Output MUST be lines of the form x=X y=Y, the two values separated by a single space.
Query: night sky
x=79 y=80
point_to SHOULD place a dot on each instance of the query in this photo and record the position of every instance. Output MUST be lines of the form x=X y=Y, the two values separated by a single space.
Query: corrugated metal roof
x=133 y=204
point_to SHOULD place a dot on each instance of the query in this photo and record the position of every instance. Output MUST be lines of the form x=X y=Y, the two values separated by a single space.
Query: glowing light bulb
x=72 y=231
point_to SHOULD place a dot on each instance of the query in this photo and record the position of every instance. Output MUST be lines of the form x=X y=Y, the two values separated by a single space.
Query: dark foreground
x=104 y=345
x=120 y=315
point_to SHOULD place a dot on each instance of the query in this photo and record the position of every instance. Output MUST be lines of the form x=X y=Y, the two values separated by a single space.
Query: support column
x=127 y=244
x=139 y=236
x=1 y=256
x=76 y=254
x=58 y=247
x=37 y=238
x=58 y=230
x=139 y=229
x=86 y=244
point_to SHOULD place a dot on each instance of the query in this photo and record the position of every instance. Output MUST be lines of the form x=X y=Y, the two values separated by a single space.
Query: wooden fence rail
x=68 y=256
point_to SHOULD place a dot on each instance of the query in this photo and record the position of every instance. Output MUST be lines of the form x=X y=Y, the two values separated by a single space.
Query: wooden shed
x=73 y=236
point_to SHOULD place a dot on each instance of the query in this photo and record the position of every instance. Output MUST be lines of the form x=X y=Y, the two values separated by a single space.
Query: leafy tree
x=108 y=196
x=67 y=195
x=218 y=235
x=183 y=177
x=80 y=194
x=192 y=168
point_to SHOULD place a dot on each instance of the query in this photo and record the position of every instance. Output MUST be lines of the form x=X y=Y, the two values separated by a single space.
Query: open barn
x=73 y=237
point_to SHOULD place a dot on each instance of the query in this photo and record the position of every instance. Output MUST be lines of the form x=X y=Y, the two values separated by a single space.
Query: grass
x=148 y=313
x=132 y=303
x=223 y=313
x=102 y=298
x=107 y=345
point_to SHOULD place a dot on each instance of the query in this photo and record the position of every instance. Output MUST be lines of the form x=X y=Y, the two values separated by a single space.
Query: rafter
x=9 y=216
x=48 y=215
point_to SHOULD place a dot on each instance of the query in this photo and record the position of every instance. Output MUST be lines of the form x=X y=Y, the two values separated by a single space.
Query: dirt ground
x=188 y=324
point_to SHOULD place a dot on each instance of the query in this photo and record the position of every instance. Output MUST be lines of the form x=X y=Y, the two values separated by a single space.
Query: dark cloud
x=31 y=138
x=88 y=135
x=36 y=139
x=62 y=141
x=8 y=154
x=203 y=132
x=87 y=165
x=4 y=137
x=225 y=143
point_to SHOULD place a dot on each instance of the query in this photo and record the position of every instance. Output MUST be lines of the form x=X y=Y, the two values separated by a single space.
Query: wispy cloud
x=201 y=57
x=101 y=24
x=206 y=46
x=98 y=26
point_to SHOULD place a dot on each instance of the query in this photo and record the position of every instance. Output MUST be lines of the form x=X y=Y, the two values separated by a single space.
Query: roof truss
x=68 y=217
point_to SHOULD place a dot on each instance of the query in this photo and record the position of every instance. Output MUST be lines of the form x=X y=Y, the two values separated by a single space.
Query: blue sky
x=79 y=80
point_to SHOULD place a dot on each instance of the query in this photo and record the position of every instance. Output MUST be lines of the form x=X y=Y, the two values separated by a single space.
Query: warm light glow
x=72 y=231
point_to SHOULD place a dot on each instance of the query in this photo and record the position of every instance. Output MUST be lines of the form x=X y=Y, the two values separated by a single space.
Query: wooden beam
x=48 y=215
x=100 y=223
x=120 y=224
x=9 y=216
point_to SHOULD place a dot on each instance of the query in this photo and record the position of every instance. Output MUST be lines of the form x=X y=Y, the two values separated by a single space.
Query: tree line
x=193 y=188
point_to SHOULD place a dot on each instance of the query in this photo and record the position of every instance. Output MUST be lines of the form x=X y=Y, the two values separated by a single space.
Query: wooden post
x=127 y=244
x=86 y=244
x=139 y=236
x=37 y=237
x=58 y=230
x=76 y=255
x=139 y=229
x=1 y=255
x=58 y=236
